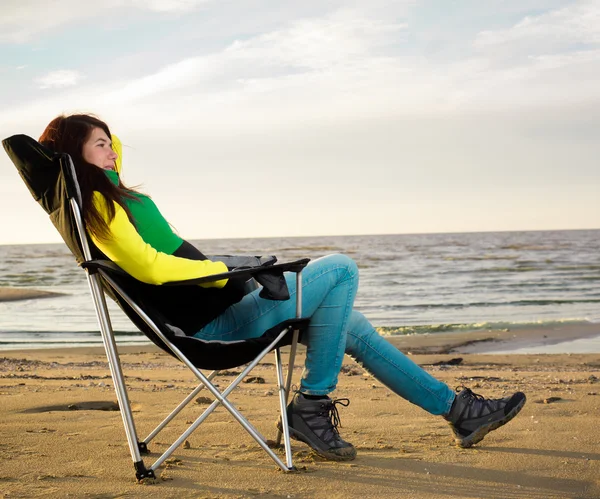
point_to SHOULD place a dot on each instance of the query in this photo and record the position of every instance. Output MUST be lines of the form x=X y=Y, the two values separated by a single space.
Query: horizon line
x=353 y=235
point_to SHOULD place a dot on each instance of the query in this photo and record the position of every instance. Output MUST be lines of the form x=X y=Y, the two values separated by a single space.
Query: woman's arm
x=127 y=249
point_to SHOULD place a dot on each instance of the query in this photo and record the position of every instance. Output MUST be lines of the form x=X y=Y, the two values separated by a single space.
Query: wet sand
x=495 y=341
x=60 y=434
x=15 y=294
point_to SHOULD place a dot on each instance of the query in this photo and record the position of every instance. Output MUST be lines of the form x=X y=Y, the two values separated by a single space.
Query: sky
x=265 y=118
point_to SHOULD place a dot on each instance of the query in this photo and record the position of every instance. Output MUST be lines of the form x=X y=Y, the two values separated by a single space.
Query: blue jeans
x=329 y=287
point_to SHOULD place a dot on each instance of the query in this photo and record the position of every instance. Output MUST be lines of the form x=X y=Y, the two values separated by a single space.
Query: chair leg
x=285 y=430
x=288 y=383
x=290 y=375
x=117 y=377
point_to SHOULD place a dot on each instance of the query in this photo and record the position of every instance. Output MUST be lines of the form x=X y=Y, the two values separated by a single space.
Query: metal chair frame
x=137 y=447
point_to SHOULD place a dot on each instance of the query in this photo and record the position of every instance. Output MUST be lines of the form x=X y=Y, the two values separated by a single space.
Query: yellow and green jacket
x=149 y=250
x=144 y=247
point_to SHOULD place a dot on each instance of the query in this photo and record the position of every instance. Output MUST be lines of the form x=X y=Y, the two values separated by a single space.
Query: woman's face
x=97 y=150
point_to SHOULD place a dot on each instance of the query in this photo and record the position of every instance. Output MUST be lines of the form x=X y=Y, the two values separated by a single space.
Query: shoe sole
x=482 y=431
x=330 y=456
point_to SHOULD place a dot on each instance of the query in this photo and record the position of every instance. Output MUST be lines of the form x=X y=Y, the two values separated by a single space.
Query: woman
x=128 y=228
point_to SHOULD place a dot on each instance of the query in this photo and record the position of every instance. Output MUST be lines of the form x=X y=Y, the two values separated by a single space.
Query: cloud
x=577 y=23
x=551 y=59
x=60 y=79
x=319 y=44
x=558 y=61
x=168 y=5
x=341 y=66
x=347 y=66
x=340 y=49
x=21 y=21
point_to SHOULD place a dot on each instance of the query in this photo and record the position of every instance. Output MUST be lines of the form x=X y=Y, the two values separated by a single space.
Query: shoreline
x=539 y=340
x=550 y=337
x=495 y=341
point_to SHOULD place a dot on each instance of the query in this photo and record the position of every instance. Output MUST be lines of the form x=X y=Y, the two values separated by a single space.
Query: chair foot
x=142 y=473
x=143 y=448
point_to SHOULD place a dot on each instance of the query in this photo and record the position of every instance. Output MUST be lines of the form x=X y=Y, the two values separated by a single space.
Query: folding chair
x=51 y=180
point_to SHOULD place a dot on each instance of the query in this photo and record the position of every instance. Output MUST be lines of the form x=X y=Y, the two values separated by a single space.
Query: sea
x=409 y=283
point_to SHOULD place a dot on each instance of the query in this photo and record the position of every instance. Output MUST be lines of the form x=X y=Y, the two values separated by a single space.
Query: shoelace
x=489 y=404
x=475 y=395
x=331 y=412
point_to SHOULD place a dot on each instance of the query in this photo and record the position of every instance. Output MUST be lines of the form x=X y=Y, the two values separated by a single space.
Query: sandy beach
x=60 y=434
x=17 y=294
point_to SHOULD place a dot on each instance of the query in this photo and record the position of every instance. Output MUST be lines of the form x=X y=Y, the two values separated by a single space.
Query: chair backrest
x=50 y=178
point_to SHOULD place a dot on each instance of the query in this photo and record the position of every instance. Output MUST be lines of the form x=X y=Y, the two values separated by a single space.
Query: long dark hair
x=68 y=134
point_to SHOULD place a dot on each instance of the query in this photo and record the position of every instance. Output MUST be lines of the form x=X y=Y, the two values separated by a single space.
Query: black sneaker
x=472 y=416
x=315 y=422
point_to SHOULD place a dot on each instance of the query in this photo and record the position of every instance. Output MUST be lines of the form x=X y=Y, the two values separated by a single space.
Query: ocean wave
x=312 y=248
x=578 y=267
x=47 y=345
x=485 y=304
x=11 y=340
x=8 y=333
x=533 y=247
x=482 y=258
x=494 y=270
x=479 y=326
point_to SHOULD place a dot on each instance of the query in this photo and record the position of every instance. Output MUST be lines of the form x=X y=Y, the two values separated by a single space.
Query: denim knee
x=345 y=261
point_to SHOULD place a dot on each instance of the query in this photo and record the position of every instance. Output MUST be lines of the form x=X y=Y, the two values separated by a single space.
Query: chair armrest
x=236 y=261
x=247 y=273
x=276 y=269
